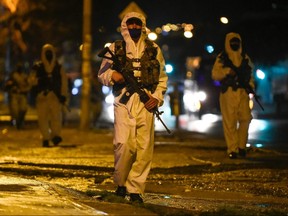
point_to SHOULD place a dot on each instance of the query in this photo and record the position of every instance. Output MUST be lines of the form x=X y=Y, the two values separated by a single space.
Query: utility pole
x=86 y=66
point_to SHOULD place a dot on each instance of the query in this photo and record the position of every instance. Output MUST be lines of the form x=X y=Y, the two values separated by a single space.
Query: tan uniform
x=18 y=88
x=234 y=103
x=51 y=84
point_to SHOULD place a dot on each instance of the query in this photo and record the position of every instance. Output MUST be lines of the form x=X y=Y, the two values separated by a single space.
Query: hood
x=124 y=29
x=234 y=56
x=48 y=65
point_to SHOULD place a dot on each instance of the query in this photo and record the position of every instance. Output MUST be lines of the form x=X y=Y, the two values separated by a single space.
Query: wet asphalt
x=191 y=175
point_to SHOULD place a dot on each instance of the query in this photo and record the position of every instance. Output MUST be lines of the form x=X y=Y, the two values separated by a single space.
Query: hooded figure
x=18 y=87
x=234 y=99
x=133 y=120
x=51 y=88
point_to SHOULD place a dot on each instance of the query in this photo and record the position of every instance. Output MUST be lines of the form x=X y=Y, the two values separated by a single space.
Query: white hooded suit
x=234 y=104
x=133 y=124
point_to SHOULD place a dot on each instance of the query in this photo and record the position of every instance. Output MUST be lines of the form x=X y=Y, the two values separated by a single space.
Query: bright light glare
x=109 y=99
x=105 y=89
x=169 y=68
x=211 y=118
x=191 y=101
x=201 y=95
x=210 y=49
x=259 y=145
x=152 y=36
x=75 y=91
x=257 y=125
x=78 y=82
x=224 y=20
x=188 y=34
x=260 y=74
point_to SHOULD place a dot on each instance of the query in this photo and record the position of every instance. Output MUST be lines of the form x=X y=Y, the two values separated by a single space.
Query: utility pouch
x=126 y=96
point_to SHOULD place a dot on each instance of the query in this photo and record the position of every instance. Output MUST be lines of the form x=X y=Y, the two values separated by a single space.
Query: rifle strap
x=126 y=96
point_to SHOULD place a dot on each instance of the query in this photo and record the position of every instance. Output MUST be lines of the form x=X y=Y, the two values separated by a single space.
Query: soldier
x=18 y=87
x=50 y=84
x=233 y=68
x=134 y=119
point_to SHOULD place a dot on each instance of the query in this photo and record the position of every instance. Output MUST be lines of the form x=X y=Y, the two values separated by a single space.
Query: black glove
x=62 y=99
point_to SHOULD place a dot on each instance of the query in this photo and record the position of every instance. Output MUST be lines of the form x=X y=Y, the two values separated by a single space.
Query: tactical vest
x=148 y=65
x=243 y=73
x=48 y=82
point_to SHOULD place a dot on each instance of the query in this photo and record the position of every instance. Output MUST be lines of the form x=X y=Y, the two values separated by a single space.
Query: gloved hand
x=62 y=99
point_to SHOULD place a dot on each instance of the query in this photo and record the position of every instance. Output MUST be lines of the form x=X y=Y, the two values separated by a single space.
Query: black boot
x=45 y=143
x=136 y=198
x=56 y=140
x=121 y=191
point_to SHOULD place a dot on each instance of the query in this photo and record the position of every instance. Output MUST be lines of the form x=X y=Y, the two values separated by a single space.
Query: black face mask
x=235 y=44
x=135 y=33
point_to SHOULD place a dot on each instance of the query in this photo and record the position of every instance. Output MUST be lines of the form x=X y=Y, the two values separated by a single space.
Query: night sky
x=259 y=23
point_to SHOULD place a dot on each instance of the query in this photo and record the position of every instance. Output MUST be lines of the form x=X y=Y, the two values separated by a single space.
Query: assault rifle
x=132 y=82
x=243 y=82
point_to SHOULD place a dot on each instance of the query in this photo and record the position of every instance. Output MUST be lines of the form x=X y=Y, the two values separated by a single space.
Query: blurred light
x=166 y=28
x=201 y=95
x=257 y=125
x=188 y=27
x=105 y=89
x=169 y=68
x=209 y=48
x=188 y=34
x=74 y=91
x=211 y=118
x=248 y=145
x=109 y=99
x=259 y=145
x=158 y=30
x=78 y=82
x=260 y=74
x=191 y=101
x=110 y=111
x=224 y=20
x=152 y=36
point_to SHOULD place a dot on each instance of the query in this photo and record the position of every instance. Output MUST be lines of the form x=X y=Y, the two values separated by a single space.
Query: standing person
x=133 y=120
x=18 y=87
x=233 y=68
x=51 y=89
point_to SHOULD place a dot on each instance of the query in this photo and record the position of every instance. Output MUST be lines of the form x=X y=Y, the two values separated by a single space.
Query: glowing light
x=152 y=36
x=109 y=99
x=210 y=49
x=169 y=68
x=74 y=91
x=259 y=145
x=224 y=20
x=188 y=34
x=105 y=89
x=260 y=74
x=201 y=95
x=166 y=28
x=78 y=82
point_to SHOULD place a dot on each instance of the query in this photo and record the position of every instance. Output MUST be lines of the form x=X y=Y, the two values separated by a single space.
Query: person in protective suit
x=18 y=87
x=134 y=120
x=50 y=84
x=233 y=68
